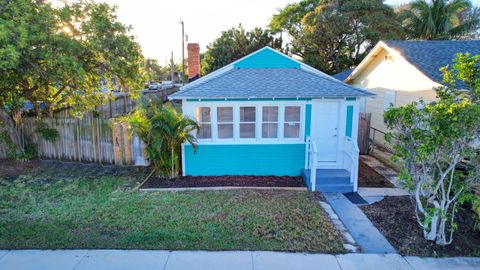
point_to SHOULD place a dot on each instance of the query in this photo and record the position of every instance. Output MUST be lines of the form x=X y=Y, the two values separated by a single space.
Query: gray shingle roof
x=430 y=56
x=341 y=76
x=270 y=83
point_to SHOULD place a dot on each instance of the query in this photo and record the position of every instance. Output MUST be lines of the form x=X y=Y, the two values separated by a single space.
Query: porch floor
x=329 y=180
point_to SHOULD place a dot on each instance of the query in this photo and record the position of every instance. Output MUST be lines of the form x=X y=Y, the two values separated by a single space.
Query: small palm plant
x=163 y=130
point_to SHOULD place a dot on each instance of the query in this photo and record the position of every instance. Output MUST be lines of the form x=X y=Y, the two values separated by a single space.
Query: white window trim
x=302 y=119
x=255 y=136
x=258 y=126
x=220 y=123
x=269 y=122
x=200 y=123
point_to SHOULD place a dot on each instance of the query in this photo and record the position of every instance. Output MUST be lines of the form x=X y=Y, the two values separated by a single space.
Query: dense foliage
x=62 y=56
x=439 y=19
x=336 y=35
x=163 y=130
x=435 y=140
x=234 y=44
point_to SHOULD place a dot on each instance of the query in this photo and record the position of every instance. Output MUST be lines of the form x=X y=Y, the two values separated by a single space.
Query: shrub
x=163 y=130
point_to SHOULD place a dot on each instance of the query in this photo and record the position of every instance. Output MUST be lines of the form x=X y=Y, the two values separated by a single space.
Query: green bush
x=46 y=132
x=163 y=130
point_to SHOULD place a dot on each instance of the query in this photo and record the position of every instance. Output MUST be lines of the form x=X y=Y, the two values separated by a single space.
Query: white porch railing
x=351 y=154
x=311 y=161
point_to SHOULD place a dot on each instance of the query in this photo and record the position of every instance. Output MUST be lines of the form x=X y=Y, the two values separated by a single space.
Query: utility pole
x=183 y=51
x=172 y=66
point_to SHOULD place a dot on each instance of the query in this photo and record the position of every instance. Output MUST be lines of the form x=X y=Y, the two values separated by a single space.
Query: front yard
x=60 y=205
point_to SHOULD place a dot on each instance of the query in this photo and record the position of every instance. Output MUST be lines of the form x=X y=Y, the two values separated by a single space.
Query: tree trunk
x=172 y=173
x=441 y=234
x=13 y=134
x=432 y=233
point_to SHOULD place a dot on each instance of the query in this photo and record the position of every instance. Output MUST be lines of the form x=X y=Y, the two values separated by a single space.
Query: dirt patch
x=50 y=171
x=395 y=218
x=368 y=177
x=224 y=181
x=11 y=169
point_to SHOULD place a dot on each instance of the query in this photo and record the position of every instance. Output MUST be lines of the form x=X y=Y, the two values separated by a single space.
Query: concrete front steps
x=329 y=180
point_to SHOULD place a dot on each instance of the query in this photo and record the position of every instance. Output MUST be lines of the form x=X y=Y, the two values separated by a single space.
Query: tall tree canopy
x=235 y=43
x=440 y=19
x=63 y=56
x=153 y=70
x=333 y=35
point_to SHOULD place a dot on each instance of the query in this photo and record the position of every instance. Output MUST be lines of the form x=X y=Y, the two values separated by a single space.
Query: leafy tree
x=434 y=139
x=289 y=18
x=163 y=130
x=440 y=19
x=336 y=34
x=234 y=44
x=153 y=70
x=62 y=56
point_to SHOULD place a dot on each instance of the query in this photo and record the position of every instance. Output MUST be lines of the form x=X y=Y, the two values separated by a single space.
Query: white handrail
x=354 y=166
x=307 y=152
x=313 y=165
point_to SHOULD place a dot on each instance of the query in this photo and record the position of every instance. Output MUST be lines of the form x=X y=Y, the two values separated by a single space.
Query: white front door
x=325 y=129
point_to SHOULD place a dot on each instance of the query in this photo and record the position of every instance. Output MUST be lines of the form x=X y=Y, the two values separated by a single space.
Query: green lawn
x=106 y=213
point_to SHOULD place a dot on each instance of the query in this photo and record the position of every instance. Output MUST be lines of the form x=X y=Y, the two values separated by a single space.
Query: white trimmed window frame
x=192 y=105
x=219 y=123
x=293 y=122
x=269 y=122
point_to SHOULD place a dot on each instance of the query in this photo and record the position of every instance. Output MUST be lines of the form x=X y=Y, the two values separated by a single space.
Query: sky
x=156 y=23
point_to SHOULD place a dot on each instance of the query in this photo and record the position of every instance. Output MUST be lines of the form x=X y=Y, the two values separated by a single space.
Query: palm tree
x=163 y=130
x=438 y=19
x=173 y=129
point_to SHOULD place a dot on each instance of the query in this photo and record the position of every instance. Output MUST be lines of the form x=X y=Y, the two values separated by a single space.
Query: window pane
x=225 y=131
x=247 y=114
x=225 y=114
x=292 y=113
x=203 y=114
x=270 y=114
x=292 y=130
x=205 y=131
x=269 y=130
x=247 y=130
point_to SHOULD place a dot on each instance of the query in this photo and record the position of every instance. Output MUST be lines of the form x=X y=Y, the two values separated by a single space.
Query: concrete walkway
x=366 y=235
x=227 y=260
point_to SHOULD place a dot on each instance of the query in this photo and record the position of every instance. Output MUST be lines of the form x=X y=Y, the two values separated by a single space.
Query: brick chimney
x=193 y=61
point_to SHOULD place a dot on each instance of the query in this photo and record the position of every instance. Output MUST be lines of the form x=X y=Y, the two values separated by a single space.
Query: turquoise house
x=269 y=114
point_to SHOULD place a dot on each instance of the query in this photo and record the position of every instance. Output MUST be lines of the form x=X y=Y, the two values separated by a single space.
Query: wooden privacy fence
x=86 y=140
x=364 y=133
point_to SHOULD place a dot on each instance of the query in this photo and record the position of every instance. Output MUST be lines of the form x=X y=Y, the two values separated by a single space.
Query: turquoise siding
x=245 y=159
x=308 y=119
x=349 y=127
x=267 y=58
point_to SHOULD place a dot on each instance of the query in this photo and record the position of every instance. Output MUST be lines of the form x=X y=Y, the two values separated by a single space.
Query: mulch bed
x=11 y=169
x=395 y=218
x=224 y=181
x=368 y=177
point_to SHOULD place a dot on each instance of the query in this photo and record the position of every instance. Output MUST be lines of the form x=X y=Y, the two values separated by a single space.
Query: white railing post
x=353 y=152
x=313 y=166
x=307 y=152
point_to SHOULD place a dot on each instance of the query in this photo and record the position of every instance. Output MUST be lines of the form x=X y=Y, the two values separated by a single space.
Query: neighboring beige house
x=400 y=72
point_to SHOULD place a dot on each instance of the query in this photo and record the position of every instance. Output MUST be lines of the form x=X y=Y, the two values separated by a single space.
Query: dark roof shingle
x=342 y=76
x=271 y=83
x=430 y=56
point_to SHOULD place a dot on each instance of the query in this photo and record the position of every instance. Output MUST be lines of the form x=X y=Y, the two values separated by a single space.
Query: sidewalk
x=362 y=230
x=228 y=260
